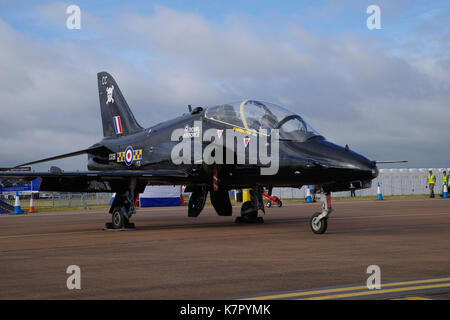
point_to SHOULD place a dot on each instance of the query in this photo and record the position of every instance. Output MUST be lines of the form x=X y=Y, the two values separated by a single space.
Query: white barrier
x=393 y=182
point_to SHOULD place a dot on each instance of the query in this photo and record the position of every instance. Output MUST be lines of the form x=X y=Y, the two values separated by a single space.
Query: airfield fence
x=65 y=200
x=393 y=182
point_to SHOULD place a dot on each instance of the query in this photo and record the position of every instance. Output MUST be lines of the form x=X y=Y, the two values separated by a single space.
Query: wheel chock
x=128 y=227
x=249 y=221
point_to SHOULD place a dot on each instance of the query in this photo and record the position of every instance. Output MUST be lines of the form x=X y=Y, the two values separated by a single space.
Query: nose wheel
x=318 y=226
x=319 y=220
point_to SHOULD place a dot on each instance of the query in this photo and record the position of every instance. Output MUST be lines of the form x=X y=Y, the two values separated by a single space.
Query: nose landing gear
x=319 y=220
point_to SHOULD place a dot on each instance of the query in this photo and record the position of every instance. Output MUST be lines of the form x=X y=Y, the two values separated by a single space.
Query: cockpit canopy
x=255 y=115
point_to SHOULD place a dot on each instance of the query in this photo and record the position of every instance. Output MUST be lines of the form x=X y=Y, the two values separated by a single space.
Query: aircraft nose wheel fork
x=318 y=226
x=319 y=220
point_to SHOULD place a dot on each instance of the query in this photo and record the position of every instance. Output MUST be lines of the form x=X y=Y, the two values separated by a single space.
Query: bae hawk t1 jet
x=247 y=144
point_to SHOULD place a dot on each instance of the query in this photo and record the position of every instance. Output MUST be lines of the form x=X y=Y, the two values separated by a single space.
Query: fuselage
x=314 y=161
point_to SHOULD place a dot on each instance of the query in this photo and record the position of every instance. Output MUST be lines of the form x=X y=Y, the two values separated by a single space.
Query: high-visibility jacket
x=444 y=180
x=431 y=179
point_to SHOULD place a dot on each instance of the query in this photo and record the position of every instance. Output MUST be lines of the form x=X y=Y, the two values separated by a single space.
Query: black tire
x=197 y=201
x=248 y=212
x=280 y=204
x=118 y=219
x=268 y=204
x=318 y=228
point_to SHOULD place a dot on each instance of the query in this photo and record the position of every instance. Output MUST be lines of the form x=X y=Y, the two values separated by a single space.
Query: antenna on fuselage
x=190 y=108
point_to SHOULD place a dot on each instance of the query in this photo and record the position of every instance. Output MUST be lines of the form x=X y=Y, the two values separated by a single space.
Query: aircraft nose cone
x=361 y=167
x=365 y=166
x=349 y=164
x=375 y=171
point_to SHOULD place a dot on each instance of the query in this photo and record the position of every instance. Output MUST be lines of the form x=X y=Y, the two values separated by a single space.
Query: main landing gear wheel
x=123 y=206
x=197 y=201
x=119 y=221
x=318 y=226
x=249 y=214
x=279 y=204
x=268 y=204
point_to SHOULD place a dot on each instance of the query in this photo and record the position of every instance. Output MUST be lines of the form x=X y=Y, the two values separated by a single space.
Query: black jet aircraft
x=251 y=144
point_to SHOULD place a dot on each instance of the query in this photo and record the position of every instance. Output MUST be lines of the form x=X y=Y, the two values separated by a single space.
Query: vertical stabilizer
x=117 y=118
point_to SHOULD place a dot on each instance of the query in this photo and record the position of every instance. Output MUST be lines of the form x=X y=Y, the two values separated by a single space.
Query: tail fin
x=117 y=118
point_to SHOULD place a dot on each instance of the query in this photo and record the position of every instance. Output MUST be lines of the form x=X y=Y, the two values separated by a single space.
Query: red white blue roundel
x=129 y=156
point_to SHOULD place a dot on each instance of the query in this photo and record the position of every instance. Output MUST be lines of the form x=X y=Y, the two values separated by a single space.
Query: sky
x=384 y=92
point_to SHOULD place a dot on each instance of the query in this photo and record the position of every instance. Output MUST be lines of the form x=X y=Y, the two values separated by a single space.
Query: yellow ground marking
x=413 y=298
x=46 y=234
x=374 y=292
x=343 y=289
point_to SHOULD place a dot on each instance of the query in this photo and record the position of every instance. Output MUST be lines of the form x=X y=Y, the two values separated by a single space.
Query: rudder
x=117 y=118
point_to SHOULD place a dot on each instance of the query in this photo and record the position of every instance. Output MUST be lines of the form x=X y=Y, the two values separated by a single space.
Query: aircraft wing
x=98 y=181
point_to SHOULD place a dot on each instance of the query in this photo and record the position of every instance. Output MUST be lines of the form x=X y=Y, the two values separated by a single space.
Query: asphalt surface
x=171 y=256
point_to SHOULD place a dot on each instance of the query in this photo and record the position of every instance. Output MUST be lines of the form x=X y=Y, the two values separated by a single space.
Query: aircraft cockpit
x=253 y=115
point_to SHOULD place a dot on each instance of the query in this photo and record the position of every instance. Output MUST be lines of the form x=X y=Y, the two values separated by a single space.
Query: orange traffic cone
x=31 y=210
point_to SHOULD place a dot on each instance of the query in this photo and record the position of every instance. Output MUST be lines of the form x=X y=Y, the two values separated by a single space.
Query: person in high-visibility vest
x=444 y=182
x=431 y=181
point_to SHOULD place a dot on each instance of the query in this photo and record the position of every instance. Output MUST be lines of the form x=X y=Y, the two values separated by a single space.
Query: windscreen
x=255 y=115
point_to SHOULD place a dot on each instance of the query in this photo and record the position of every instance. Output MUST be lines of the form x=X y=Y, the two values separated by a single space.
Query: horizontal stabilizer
x=62 y=156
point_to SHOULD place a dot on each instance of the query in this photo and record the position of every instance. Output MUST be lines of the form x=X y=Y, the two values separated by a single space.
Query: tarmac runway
x=171 y=256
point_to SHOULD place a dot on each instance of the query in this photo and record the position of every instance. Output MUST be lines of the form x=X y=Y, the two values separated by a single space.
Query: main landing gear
x=249 y=209
x=122 y=208
x=319 y=220
x=120 y=219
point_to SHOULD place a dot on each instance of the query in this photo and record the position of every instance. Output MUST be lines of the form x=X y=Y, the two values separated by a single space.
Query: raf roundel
x=129 y=156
